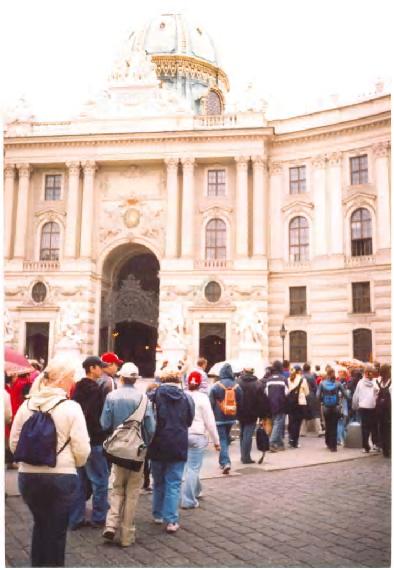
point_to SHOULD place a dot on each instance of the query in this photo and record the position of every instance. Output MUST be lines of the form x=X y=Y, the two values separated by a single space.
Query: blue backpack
x=330 y=394
x=38 y=439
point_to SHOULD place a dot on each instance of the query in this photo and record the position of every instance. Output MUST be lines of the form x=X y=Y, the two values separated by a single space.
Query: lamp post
x=283 y=333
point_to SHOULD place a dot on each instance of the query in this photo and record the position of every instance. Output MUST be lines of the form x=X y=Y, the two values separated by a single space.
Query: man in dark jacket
x=255 y=405
x=225 y=421
x=168 y=450
x=276 y=388
x=90 y=397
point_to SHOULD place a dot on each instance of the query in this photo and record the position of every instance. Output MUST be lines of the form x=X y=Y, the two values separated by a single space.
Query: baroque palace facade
x=157 y=220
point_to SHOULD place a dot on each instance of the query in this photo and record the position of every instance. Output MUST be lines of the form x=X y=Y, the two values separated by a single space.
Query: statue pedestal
x=173 y=354
x=252 y=355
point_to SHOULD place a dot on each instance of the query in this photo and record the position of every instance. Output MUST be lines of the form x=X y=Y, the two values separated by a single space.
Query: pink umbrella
x=16 y=363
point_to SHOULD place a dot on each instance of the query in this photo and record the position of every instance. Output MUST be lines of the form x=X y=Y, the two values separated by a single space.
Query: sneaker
x=158 y=521
x=172 y=527
x=375 y=448
x=109 y=534
x=226 y=469
x=191 y=507
x=365 y=450
x=200 y=496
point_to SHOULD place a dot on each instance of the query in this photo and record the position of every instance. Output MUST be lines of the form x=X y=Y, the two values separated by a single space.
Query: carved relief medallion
x=131 y=217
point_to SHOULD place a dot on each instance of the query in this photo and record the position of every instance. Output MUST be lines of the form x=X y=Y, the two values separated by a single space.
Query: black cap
x=93 y=361
x=297 y=367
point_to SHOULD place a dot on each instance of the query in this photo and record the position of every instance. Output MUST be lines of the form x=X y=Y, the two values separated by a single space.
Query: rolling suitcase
x=353 y=435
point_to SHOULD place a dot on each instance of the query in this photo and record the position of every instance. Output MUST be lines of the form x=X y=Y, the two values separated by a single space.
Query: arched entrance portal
x=130 y=306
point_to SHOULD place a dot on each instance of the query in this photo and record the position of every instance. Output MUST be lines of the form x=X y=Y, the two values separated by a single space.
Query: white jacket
x=204 y=420
x=365 y=394
x=70 y=423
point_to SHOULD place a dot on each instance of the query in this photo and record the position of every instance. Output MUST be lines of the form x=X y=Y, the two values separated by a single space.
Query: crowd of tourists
x=105 y=438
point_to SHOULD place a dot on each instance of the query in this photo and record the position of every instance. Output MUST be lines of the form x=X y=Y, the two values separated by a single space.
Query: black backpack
x=262 y=442
x=383 y=400
x=37 y=442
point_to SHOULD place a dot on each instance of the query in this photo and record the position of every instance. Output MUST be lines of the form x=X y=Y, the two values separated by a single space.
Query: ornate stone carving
x=172 y=328
x=73 y=168
x=69 y=324
x=172 y=163
x=131 y=217
x=9 y=331
x=250 y=326
x=334 y=159
x=241 y=162
x=259 y=162
x=188 y=163
x=245 y=292
x=89 y=167
x=381 y=149
x=319 y=161
x=9 y=171
x=24 y=170
x=17 y=291
x=136 y=68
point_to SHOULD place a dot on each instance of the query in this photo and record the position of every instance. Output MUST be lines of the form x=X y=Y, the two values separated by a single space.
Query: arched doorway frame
x=104 y=256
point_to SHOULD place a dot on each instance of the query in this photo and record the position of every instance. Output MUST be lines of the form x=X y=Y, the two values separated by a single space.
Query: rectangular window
x=359 y=169
x=297 y=179
x=297 y=300
x=361 y=297
x=216 y=182
x=53 y=186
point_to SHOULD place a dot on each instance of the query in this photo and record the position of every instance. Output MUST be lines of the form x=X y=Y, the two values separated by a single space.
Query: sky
x=298 y=53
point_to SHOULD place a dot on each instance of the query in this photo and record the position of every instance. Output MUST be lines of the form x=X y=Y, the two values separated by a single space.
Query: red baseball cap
x=194 y=379
x=111 y=357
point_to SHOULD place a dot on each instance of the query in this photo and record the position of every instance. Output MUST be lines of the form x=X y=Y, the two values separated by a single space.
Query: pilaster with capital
x=321 y=205
x=172 y=207
x=89 y=169
x=72 y=209
x=188 y=207
x=381 y=153
x=275 y=204
x=22 y=210
x=9 y=181
x=242 y=206
x=335 y=216
x=259 y=206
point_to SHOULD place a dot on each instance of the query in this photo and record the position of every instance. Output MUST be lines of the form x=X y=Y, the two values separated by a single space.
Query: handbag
x=262 y=442
x=126 y=447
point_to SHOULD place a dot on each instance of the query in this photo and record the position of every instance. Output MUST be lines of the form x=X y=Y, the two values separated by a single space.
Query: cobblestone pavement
x=334 y=515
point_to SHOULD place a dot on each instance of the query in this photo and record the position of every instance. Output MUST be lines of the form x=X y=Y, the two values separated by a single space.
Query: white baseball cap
x=128 y=369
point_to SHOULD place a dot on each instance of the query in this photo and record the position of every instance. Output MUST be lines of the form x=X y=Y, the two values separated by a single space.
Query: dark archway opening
x=213 y=342
x=130 y=308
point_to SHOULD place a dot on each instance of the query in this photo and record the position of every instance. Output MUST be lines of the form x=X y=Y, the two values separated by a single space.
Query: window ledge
x=356 y=315
x=303 y=316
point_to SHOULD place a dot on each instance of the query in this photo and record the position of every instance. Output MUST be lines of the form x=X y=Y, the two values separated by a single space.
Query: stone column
x=259 y=206
x=275 y=226
x=188 y=207
x=72 y=209
x=381 y=153
x=335 y=226
x=9 y=179
x=22 y=210
x=242 y=206
x=320 y=229
x=172 y=207
x=89 y=168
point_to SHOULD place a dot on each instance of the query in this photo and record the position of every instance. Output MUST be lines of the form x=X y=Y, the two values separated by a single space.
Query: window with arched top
x=213 y=104
x=215 y=239
x=361 y=232
x=50 y=242
x=299 y=239
x=298 y=346
x=362 y=345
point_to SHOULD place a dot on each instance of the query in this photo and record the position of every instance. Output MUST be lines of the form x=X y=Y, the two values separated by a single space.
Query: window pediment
x=298 y=206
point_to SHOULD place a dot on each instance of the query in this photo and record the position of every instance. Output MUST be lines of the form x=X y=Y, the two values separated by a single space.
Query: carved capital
x=381 y=149
x=24 y=170
x=334 y=159
x=9 y=171
x=275 y=168
x=188 y=162
x=172 y=163
x=89 y=167
x=259 y=162
x=73 y=168
x=319 y=161
x=242 y=161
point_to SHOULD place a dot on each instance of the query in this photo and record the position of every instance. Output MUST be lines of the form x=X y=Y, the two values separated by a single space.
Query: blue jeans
x=278 y=430
x=49 y=498
x=96 y=470
x=341 y=430
x=246 y=435
x=224 y=437
x=191 y=487
x=167 y=480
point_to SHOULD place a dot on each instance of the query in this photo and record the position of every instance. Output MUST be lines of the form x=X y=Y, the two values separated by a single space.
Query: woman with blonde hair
x=48 y=491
